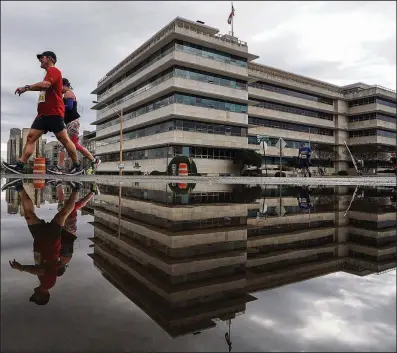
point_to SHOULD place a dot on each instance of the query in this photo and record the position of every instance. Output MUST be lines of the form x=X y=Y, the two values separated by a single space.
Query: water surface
x=195 y=267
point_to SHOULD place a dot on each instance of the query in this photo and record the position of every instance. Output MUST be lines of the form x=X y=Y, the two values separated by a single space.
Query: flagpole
x=232 y=21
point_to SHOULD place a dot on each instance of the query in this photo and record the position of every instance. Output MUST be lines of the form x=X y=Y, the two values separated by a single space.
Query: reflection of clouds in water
x=336 y=312
x=358 y=313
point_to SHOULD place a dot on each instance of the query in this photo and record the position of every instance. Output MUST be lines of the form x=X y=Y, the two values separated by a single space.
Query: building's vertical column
x=341 y=222
x=341 y=135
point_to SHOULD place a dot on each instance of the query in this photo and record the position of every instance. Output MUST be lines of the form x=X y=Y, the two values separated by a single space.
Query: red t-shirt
x=50 y=101
x=47 y=249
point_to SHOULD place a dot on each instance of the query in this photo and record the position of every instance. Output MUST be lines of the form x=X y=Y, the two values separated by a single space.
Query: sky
x=339 y=42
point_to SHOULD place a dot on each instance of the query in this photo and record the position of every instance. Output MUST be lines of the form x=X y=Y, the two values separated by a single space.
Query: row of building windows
x=364 y=224
x=371 y=100
x=293 y=110
x=152 y=153
x=211 y=153
x=185 y=47
x=291 y=92
x=177 y=124
x=203 y=76
x=289 y=126
x=210 y=103
x=213 y=54
x=269 y=160
x=142 y=87
x=180 y=99
x=142 y=65
x=143 y=109
x=252 y=140
x=372 y=116
x=171 y=151
x=372 y=132
x=177 y=71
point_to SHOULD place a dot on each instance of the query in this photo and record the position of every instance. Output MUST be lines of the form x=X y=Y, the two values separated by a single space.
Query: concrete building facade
x=190 y=91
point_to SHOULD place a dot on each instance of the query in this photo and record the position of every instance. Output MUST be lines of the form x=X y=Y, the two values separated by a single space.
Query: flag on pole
x=232 y=14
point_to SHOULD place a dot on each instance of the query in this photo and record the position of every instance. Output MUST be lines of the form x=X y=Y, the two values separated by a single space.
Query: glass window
x=293 y=110
x=168 y=48
x=289 y=126
x=291 y=92
x=199 y=50
x=387 y=102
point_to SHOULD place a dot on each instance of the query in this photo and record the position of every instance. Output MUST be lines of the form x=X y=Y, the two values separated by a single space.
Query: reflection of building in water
x=372 y=234
x=189 y=259
x=12 y=200
x=184 y=265
x=35 y=196
x=38 y=196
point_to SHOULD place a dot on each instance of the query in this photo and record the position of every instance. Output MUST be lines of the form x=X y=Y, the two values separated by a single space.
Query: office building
x=51 y=151
x=190 y=91
x=39 y=145
x=14 y=145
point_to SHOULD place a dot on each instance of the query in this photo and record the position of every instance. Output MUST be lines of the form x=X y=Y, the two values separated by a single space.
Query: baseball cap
x=49 y=54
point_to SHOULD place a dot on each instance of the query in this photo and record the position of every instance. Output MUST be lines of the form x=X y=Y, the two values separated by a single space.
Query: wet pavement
x=161 y=267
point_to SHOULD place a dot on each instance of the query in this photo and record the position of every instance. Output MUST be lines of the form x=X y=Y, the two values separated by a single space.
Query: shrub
x=181 y=188
x=156 y=172
x=280 y=174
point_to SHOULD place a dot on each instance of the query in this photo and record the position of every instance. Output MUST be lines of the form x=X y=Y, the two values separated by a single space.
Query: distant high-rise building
x=51 y=153
x=40 y=145
x=14 y=146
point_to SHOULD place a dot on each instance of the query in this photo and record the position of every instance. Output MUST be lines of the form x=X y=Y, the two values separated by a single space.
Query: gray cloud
x=91 y=37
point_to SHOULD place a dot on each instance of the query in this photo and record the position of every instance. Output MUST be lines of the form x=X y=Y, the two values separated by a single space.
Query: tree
x=372 y=155
x=248 y=157
x=322 y=155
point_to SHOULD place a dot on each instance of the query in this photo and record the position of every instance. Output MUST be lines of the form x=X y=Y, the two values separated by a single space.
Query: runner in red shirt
x=50 y=114
x=46 y=244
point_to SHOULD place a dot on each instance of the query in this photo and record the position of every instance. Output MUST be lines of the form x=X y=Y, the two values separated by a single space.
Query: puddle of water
x=198 y=267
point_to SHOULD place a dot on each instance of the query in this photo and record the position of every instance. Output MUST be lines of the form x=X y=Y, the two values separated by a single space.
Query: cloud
x=333 y=41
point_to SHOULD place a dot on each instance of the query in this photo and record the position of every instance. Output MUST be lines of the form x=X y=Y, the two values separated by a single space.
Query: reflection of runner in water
x=304 y=155
x=304 y=200
x=46 y=244
x=68 y=233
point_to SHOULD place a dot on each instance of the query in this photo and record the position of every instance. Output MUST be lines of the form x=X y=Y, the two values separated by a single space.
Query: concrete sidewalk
x=318 y=181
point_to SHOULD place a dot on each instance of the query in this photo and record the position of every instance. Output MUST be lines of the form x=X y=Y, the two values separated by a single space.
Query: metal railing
x=386 y=89
x=119 y=67
x=136 y=93
x=113 y=88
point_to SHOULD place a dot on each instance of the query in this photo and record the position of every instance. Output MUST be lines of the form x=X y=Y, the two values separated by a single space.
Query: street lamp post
x=120 y=115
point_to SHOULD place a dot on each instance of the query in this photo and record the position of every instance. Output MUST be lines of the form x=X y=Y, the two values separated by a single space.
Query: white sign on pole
x=263 y=147
x=281 y=142
x=280 y=210
x=263 y=208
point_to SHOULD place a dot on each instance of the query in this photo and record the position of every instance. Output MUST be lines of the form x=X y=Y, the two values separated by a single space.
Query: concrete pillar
x=341 y=135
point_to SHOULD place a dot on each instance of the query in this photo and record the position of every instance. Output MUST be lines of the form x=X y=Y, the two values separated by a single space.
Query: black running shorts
x=52 y=123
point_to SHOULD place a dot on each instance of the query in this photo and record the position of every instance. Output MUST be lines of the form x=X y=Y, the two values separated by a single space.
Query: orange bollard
x=182 y=171
x=39 y=167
